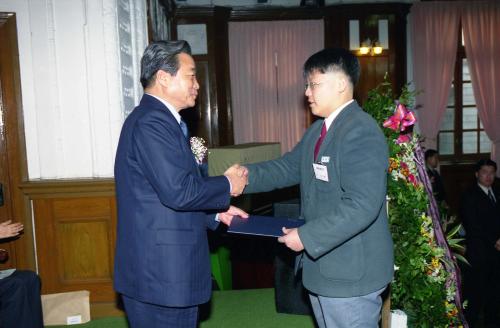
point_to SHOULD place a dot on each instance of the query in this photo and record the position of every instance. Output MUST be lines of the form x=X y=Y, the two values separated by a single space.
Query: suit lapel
x=150 y=101
x=332 y=131
x=484 y=199
x=309 y=151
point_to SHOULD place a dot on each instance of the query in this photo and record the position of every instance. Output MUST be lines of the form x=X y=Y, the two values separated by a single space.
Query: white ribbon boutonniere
x=198 y=148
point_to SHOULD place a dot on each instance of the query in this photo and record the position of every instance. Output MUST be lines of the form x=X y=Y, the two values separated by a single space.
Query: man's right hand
x=238 y=177
x=9 y=229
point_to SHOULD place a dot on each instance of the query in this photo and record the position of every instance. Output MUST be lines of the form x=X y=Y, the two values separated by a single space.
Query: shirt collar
x=429 y=168
x=169 y=107
x=329 y=120
x=485 y=189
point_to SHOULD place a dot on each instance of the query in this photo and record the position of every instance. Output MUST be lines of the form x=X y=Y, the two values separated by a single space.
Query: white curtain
x=481 y=25
x=267 y=85
x=74 y=81
x=433 y=62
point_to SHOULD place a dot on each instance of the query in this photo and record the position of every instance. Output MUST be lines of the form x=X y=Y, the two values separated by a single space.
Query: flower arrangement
x=199 y=149
x=425 y=281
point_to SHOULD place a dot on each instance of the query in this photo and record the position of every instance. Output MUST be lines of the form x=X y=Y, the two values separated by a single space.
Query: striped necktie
x=491 y=197
x=184 y=128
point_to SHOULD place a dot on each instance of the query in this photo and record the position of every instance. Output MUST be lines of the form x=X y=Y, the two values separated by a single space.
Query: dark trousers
x=482 y=291
x=140 y=314
x=20 y=303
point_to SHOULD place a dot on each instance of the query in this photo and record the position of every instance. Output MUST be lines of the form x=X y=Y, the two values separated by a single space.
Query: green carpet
x=231 y=309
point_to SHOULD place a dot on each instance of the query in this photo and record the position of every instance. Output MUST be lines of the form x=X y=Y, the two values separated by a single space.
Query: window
x=462 y=135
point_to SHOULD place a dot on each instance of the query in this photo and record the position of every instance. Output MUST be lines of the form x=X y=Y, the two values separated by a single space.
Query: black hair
x=161 y=55
x=485 y=162
x=429 y=153
x=334 y=60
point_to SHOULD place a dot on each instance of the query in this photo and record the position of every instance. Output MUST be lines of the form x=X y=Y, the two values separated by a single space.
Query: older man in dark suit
x=481 y=219
x=341 y=165
x=162 y=266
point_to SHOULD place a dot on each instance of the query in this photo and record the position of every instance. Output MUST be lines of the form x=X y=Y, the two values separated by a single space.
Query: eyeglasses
x=312 y=85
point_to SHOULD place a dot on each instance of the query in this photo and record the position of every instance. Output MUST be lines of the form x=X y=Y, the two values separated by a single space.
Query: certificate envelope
x=262 y=225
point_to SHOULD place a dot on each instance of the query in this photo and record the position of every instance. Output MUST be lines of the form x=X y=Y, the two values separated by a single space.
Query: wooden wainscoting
x=75 y=233
x=75 y=240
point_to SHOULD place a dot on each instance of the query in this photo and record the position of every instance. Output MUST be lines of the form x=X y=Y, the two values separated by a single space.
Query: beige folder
x=66 y=308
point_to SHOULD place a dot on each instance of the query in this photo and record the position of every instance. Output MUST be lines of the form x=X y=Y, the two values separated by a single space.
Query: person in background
x=431 y=165
x=20 y=301
x=480 y=212
x=345 y=246
x=165 y=205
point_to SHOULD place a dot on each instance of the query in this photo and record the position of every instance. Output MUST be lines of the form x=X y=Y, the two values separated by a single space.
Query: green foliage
x=380 y=103
x=419 y=287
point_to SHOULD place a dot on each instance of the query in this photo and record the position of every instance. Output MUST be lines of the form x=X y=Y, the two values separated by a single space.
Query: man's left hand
x=291 y=239
x=227 y=216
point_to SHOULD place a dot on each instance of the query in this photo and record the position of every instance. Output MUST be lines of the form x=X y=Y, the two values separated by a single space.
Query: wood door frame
x=10 y=84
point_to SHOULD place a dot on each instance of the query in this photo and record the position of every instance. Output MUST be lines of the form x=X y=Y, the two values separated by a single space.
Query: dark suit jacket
x=481 y=220
x=437 y=184
x=162 y=252
x=348 y=246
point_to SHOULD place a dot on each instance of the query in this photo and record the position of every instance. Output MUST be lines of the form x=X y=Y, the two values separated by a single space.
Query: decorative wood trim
x=192 y=13
x=272 y=13
x=276 y=14
x=14 y=135
x=68 y=188
x=401 y=9
x=222 y=125
x=268 y=13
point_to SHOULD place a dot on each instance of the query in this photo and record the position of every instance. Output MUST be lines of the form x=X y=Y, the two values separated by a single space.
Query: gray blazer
x=348 y=245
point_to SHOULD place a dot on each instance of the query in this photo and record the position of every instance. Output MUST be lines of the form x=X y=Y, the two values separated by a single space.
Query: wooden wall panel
x=13 y=168
x=199 y=117
x=373 y=70
x=213 y=121
x=392 y=61
x=75 y=239
x=457 y=177
x=84 y=250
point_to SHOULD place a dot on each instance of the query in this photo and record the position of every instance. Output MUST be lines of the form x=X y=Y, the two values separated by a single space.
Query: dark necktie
x=184 y=128
x=320 y=141
x=491 y=197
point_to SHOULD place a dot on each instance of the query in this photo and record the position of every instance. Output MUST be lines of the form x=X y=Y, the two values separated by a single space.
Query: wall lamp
x=368 y=47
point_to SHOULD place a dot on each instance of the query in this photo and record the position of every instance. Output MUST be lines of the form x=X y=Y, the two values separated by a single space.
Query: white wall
x=78 y=62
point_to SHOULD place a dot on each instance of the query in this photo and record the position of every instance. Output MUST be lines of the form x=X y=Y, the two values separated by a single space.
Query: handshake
x=238 y=177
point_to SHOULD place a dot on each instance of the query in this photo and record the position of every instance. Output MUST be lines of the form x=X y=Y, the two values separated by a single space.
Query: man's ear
x=342 y=83
x=163 y=78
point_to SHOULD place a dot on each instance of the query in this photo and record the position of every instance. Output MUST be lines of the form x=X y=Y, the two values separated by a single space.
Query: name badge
x=325 y=159
x=321 y=172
